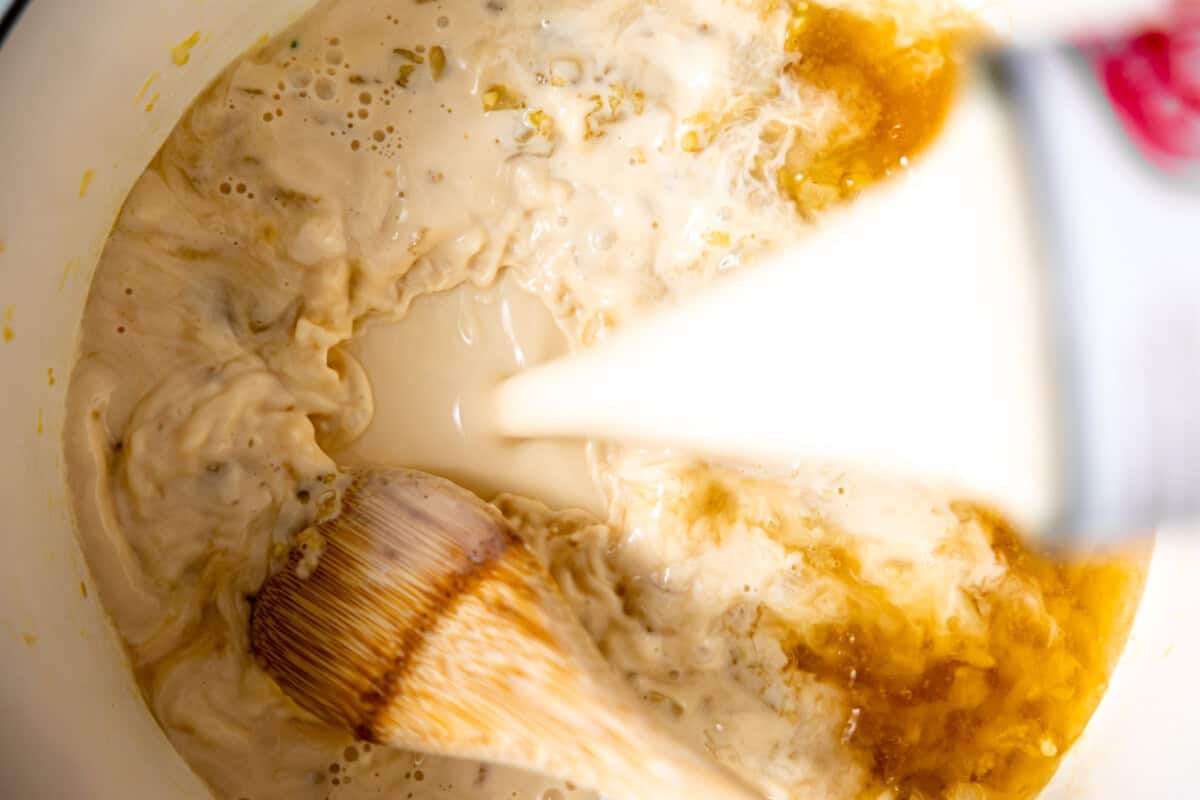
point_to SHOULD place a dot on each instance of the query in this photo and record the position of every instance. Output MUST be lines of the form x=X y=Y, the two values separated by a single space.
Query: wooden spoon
x=426 y=624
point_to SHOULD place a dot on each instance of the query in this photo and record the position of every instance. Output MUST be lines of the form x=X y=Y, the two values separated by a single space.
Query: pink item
x=1153 y=78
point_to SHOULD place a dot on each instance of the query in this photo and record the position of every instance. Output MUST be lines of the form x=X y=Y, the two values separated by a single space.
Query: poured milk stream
x=906 y=336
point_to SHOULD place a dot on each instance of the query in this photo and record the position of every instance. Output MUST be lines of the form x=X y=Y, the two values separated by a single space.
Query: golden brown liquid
x=895 y=93
x=929 y=708
x=931 y=712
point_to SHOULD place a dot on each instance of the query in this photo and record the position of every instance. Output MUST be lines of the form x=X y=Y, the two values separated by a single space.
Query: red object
x=1153 y=78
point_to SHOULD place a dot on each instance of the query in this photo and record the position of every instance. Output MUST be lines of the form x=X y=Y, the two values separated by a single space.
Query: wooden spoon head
x=405 y=549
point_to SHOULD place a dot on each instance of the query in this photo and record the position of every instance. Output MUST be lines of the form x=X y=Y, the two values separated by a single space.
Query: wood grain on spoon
x=426 y=624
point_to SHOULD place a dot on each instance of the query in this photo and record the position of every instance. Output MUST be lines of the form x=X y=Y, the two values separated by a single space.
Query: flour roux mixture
x=390 y=186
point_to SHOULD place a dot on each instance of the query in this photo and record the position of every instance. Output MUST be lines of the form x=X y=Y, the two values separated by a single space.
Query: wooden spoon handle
x=518 y=681
x=639 y=759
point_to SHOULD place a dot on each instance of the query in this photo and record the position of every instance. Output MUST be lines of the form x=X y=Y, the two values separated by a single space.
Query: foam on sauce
x=363 y=222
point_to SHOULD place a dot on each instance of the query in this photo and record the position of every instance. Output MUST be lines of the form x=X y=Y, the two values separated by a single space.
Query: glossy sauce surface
x=365 y=220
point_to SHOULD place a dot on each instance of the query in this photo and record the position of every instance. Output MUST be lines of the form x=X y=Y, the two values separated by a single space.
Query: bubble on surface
x=299 y=77
x=325 y=88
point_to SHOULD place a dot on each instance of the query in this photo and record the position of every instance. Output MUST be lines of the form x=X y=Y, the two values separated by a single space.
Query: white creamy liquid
x=342 y=243
x=432 y=376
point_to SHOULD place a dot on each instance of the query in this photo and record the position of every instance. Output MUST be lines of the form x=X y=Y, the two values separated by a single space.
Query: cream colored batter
x=363 y=224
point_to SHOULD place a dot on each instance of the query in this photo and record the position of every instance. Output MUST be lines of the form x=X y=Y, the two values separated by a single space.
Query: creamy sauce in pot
x=362 y=224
